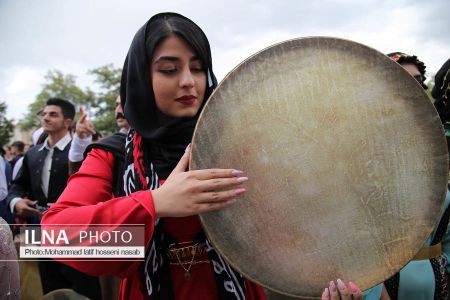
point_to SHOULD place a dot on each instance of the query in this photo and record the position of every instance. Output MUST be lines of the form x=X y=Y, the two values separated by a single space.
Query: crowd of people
x=140 y=176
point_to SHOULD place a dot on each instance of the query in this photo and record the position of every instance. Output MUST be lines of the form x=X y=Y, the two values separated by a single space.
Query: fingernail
x=332 y=286
x=352 y=287
x=325 y=292
x=340 y=284
x=237 y=173
x=188 y=148
x=242 y=179
x=231 y=201
x=239 y=191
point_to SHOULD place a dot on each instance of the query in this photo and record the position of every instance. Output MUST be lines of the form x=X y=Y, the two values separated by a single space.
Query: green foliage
x=57 y=85
x=430 y=85
x=98 y=105
x=6 y=125
x=108 y=79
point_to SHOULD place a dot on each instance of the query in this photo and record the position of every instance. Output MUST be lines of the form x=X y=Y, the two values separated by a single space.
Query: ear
x=68 y=123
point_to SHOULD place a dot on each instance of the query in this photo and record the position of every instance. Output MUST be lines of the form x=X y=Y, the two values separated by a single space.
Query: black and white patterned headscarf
x=139 y=175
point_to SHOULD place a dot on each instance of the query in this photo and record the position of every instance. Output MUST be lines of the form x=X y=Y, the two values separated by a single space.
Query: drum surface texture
x=346 y=159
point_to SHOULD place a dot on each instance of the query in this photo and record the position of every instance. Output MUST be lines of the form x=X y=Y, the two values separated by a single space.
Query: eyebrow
x=173 y=58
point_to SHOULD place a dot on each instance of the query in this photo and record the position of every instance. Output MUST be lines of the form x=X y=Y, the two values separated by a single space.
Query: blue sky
x=74 y=36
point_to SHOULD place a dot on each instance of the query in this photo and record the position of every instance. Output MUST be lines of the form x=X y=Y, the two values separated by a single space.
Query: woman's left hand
x=342 y=291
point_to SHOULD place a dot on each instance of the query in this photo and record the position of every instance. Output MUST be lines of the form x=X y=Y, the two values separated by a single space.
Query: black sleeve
x=443 y=110
x=21 y=185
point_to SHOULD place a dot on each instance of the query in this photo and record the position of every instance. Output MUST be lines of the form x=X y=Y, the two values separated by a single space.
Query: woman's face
x=178 y=78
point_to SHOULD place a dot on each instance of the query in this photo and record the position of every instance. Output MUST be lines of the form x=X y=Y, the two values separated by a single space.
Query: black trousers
x=55 y=275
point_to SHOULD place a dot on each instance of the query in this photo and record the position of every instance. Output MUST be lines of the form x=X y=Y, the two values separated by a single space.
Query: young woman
x=166 y=80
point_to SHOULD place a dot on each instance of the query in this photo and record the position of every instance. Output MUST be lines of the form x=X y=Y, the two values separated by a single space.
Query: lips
x=186 y=100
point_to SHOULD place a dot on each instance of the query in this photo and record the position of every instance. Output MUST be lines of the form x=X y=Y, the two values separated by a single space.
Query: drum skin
x=346 y=159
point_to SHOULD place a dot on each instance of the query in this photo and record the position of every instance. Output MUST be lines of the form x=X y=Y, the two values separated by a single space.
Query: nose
x=187 y=78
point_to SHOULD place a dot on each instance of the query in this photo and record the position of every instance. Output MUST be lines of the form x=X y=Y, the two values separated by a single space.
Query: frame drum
x=347 y=165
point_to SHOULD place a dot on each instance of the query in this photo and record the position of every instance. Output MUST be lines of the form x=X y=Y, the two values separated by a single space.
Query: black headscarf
x=165 y=144
x=441 y=92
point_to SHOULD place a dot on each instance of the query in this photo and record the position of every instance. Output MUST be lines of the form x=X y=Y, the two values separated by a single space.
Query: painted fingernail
x=353 y=287
x=340 y=284
x=325 y=293
x=231 y=201
x=242 y=179
x=332 y=286
x=237 y=173
x=239 y=191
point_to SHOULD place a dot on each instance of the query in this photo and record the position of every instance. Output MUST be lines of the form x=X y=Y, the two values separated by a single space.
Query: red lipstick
x=186 y=100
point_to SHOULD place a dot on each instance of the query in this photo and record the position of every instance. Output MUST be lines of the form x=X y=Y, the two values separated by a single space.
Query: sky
x=74 y=36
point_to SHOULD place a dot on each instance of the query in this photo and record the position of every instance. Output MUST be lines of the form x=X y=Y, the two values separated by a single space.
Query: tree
x=98 y=105
x=57 y=85
x=108 y=79
x=430 y=85
x=6 y=125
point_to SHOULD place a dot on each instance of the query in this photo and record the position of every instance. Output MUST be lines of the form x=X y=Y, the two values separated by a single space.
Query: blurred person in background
x=40 y=181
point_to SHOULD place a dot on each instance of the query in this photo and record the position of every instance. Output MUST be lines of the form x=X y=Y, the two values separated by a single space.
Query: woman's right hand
x=187 y=193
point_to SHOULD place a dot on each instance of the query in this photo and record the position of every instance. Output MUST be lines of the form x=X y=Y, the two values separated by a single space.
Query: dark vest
x=28 y=179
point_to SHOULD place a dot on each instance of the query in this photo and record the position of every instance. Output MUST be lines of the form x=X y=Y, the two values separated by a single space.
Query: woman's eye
x=197 y=69
x=168 y=71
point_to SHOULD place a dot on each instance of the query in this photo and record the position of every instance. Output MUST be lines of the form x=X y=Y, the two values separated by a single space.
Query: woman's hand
x=341 y=291
x=186 y=193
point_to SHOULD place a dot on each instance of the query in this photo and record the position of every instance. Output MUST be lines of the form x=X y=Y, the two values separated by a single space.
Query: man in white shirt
x=45 y=164
x=40 y=181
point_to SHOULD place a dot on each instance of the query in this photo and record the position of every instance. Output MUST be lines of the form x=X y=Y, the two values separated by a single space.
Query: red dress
x=80 y=203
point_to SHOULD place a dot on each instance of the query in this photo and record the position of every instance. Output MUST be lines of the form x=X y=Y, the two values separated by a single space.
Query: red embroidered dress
x=81 y=204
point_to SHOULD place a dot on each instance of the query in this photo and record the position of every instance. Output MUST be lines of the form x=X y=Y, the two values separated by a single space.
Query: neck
x=163 y=119
x=54 y=137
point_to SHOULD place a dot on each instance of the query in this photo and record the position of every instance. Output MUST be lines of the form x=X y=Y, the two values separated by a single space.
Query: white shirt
x=78 y=147
x=36 y=134
x=17 y=167
x=45 y=177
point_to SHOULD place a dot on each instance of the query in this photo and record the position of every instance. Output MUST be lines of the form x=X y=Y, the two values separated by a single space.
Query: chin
x=189 y=115
x=191 y=112
x=183 y=114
